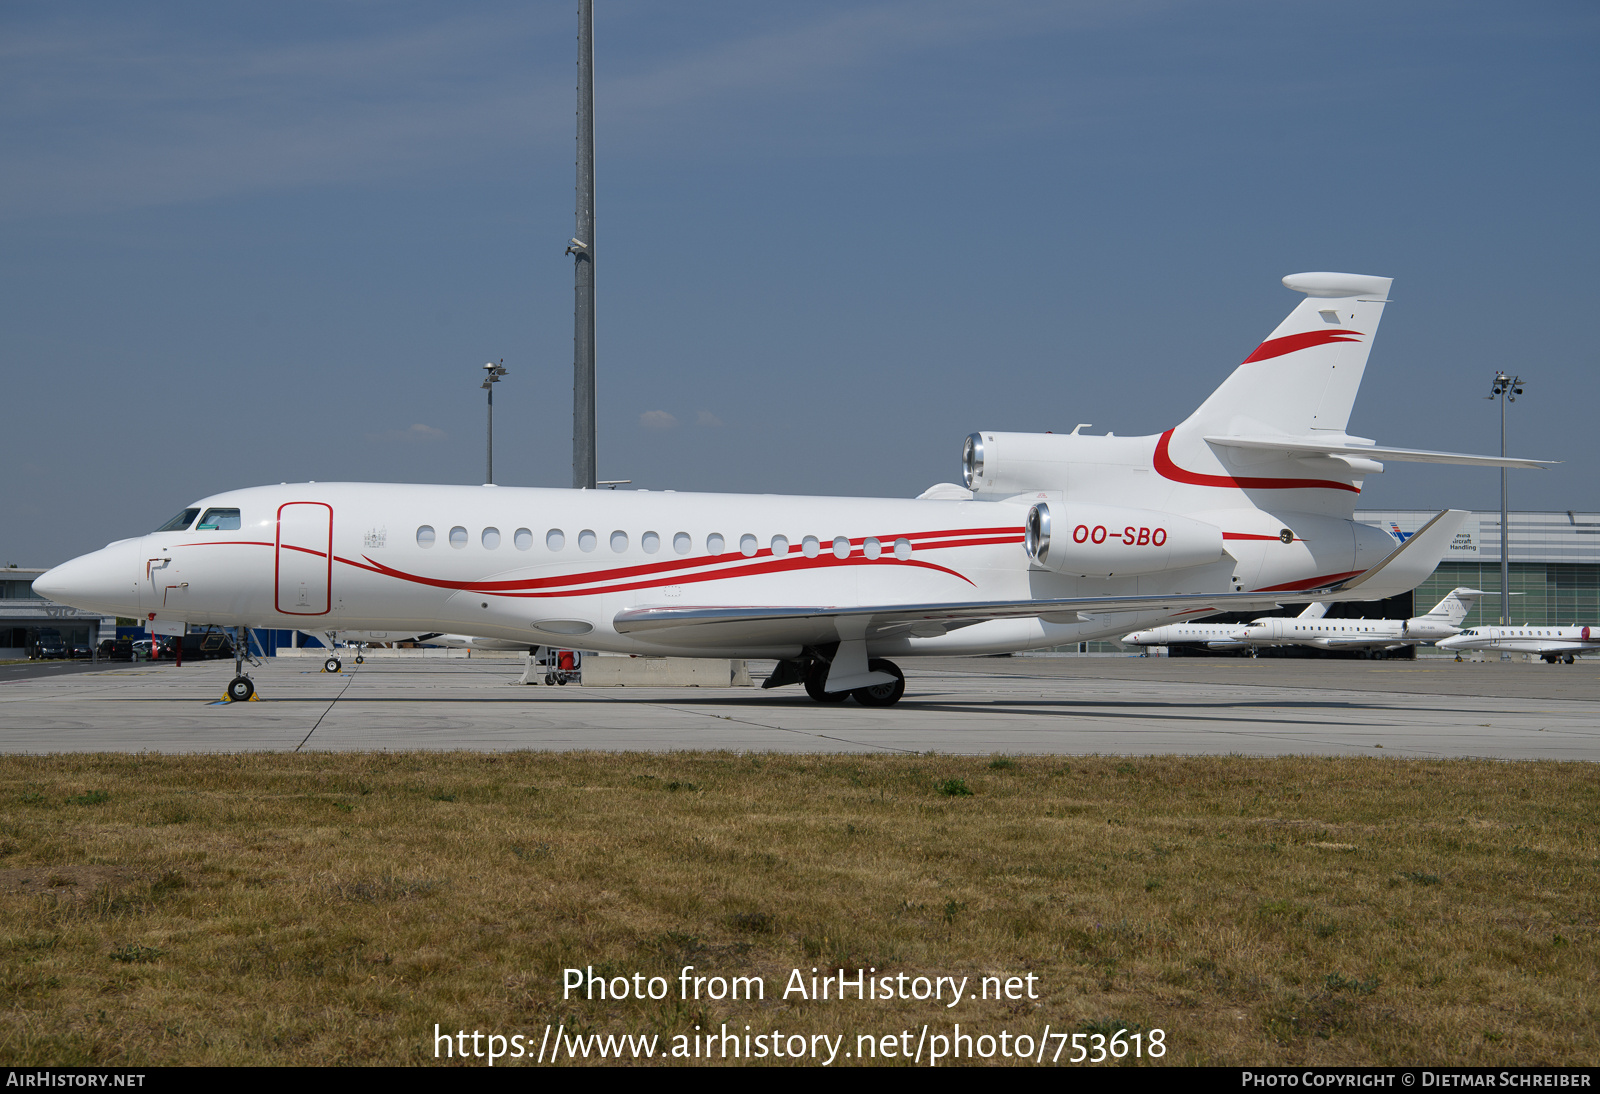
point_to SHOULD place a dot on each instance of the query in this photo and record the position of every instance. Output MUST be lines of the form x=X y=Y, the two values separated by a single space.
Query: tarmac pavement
x=1064 y=705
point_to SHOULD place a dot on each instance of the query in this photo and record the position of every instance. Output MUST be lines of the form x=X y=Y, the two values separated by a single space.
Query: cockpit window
x=181 y=522
x=218 y=520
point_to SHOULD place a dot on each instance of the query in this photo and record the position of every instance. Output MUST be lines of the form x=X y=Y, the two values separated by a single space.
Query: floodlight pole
x=582 y=251
x=492 y=374
x=1506 y=389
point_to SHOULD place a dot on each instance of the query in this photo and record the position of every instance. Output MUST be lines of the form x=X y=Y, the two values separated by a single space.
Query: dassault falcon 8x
x=1055 y=538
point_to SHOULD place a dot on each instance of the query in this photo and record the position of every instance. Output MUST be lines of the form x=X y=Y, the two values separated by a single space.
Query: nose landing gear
x=241 y=688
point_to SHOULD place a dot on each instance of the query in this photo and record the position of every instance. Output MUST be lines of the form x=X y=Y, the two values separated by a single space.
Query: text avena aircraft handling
x=1057 y=538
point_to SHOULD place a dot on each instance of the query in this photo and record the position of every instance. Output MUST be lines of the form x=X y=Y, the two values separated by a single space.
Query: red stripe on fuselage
x=1169 y=470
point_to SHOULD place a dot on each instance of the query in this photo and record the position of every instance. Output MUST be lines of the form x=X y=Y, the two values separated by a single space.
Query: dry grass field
x=332 y=908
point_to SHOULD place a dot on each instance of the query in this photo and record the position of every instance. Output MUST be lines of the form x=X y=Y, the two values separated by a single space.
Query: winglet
x=1409 y=564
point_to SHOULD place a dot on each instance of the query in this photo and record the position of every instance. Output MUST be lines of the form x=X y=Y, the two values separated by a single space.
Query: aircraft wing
x=1311 y=446
x=714 y=626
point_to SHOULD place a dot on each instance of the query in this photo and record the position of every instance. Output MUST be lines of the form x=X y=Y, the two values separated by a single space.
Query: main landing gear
x=813 y=673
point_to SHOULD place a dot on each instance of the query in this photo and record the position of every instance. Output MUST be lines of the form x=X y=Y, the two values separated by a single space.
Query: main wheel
x=816 y=677
x=332 y=664
x=360 y=660
x=241 y=688
x=882 y=695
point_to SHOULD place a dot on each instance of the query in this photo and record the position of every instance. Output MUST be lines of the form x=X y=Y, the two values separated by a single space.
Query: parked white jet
x=1062 y=538
x=1216 y=636
x=1353 y=634
x=1551 y=643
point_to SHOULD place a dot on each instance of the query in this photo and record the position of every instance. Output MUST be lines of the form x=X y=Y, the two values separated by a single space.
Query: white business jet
x=1442 y=621
x=1550 y=643
x=1216 y=636
x=1057 y=538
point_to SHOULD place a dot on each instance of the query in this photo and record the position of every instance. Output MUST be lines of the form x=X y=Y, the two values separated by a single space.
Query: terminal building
x=1554 y=565
x=26 y=618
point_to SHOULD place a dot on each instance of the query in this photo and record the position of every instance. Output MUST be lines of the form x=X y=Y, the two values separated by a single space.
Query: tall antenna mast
x=582 y=251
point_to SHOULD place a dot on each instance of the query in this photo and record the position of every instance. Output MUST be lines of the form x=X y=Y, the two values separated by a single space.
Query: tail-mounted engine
x=1107 y=541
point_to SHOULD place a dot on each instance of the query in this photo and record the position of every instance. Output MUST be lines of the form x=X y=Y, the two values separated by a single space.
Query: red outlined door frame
x=277 y=562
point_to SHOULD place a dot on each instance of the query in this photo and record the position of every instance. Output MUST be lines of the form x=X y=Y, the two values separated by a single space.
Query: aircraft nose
x=94 y=582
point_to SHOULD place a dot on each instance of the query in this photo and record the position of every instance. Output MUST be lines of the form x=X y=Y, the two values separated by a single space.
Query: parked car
x=81 y=651
x=48 y=648
x=116 y=649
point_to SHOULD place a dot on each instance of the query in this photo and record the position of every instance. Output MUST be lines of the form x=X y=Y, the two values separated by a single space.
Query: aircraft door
x=303 y=560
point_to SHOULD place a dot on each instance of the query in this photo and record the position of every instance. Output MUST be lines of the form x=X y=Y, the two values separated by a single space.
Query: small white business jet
x=1442 y=621
x=1056 y=538
x=1216 y=636
x=1550 y=643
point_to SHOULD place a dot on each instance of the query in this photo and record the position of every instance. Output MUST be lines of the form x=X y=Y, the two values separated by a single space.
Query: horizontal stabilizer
x=1312 y=446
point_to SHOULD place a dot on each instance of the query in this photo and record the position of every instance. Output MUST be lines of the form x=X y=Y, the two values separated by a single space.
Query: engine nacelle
x=1108 y=541
x=1430 y=630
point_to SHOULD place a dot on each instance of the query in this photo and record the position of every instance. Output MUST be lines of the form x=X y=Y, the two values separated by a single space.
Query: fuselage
x=1540 y=640
x=549 y=567
x=1214 y=635
x=1332 y=634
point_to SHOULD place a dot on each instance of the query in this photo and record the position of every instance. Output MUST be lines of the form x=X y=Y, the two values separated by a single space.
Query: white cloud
x=657 y=419
x=705 y=417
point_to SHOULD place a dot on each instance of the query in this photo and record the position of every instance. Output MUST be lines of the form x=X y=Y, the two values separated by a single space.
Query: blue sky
x=250 y=244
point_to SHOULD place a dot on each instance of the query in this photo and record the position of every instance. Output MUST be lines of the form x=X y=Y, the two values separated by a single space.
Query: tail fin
x=1298 y=385
x=1315 y=610
x=1454 y=608
x=1306 y=374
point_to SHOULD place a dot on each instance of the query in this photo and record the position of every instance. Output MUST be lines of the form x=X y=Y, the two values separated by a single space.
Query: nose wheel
x=241 y=688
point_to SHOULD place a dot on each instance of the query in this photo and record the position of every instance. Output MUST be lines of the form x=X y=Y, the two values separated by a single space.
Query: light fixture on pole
x=1506 y=389
x=491 y=376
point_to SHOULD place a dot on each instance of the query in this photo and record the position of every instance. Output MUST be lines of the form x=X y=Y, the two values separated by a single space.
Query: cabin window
x=587 y=540
x=810 y=546
x=523 y=539
x=619 y=541
x=458 y=537
x=555 y=539
x=902 y=548
x=181 y=522
x=681 y=543
x=841 y=547
x=872 y=548
x=219 y=520
x=425 y=536
x=490 y=538
x=714 y=543
x=780 y=545
x=747 y=545
x=651 y=542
